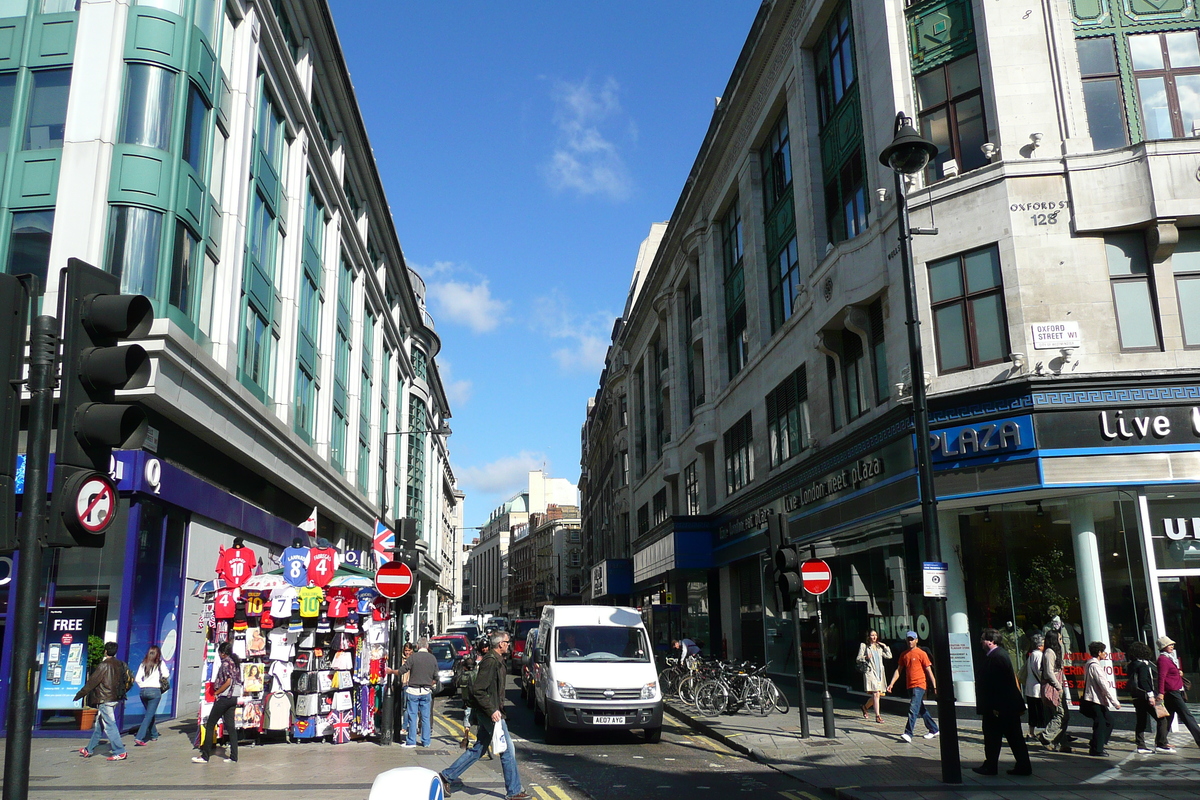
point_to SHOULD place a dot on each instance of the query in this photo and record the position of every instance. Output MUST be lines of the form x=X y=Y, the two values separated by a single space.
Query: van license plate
x=608 y=720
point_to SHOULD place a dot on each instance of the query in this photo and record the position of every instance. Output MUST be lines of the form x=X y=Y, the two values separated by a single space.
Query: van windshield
x=602 y=643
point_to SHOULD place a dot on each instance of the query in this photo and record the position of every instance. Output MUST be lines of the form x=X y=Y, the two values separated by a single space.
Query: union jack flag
x=385 y=540
x=341 y=722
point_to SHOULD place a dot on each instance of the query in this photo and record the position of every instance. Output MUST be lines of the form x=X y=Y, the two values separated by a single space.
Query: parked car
x=520 y=630
x=596 y=670
x=472 y=632
x=462 y=645
x=447 y=658
x=528 y=667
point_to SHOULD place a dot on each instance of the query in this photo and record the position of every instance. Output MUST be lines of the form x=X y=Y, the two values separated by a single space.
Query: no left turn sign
x=91 y=503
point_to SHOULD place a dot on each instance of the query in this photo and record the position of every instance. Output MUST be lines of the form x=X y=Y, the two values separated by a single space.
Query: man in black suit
x=1000 y=702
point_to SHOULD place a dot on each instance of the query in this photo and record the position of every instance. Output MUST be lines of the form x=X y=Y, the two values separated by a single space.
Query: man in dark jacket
x=487 y=697
x=106 y=687
x=1001 y=704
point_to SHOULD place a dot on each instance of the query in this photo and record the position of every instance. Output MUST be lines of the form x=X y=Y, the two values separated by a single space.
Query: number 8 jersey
x=295 y=566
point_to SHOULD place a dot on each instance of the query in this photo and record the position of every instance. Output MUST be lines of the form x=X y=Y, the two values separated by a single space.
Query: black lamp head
x=909 y=152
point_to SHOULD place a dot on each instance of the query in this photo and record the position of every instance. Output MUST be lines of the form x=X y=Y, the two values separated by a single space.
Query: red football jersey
x=225 y=604
x=322 y=562
x=339 y=605
x=236 y=565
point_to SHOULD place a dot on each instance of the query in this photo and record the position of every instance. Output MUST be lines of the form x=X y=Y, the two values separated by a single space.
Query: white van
x=595 y=670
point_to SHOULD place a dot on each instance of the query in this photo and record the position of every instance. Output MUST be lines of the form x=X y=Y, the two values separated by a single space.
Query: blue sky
x=525 y=148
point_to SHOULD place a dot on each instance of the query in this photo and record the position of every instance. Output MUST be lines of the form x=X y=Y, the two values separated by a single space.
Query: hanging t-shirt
x=295 y=566
x=283 y=646
x=281 y=671
x=236 y=565
x=282 y=599
x=322 y=563
x=254 y=603
x=225 y=604
x=265 y=620
x=381 y=609
x=366 y=597
x=310 y=600
x=339 y=604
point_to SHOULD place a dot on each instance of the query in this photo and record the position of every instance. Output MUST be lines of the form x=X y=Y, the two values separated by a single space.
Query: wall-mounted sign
x=600 y=579
x=1119 y=427
x=983 y=439
x=64 y=656
x=934 y=574
x=1055 y=335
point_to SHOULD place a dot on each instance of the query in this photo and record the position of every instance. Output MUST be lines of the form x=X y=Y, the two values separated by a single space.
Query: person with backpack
x=226 y=688
x=107 y=686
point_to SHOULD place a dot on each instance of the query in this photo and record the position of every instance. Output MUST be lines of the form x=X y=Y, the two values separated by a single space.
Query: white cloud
x=469 y=304
x=509 y=474
x=584 y=160
x=457 y=392
x=584 y=337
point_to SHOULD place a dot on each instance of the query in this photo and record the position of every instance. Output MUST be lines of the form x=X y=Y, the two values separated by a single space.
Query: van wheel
x=530 y=700
x=539 y=718
x=553 y=734
x=653 y=735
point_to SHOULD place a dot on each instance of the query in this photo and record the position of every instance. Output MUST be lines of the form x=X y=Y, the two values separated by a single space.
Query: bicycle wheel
x=755 y=697
x=712 y=698
x=687 y=690
x=668 y=682
x=778 y=699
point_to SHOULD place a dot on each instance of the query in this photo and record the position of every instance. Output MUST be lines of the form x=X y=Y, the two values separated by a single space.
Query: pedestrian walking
x=871 y=655
x=1143 y=687
x=152 y=678
x=1099 y=697
x=1031 y=685
x=466 y=685
x=422 y=671
x=918 y=676
x=1000 y=702
x=1172 y=690
x=106 y=687
x=227 y=688
x=1055 y=737
x=488 y=698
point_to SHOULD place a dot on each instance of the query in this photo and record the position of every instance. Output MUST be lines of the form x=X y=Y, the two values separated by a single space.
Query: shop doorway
x=1180 y=595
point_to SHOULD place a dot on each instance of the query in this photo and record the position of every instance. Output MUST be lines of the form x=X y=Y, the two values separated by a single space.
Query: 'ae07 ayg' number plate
x=608 y=720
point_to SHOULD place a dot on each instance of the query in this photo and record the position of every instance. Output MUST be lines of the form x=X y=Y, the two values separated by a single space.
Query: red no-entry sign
x=394 y=579
x=816 y=576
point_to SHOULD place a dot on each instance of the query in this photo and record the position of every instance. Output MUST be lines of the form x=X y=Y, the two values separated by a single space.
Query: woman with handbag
x=871 y=653
x=1172 y=690
x=1031 y=685
x=1055 y=695
x=1143 y=686
x=153 y=679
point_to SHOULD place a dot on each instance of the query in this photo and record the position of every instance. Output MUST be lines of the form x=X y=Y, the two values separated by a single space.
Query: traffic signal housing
x=787 y=565
x=408 y=533
x=14 y=303
x=94 y=367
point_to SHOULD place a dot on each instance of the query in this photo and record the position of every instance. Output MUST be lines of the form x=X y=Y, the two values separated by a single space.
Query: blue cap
x=911 y=635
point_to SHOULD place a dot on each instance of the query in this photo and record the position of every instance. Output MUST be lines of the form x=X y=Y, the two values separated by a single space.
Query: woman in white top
x=871 y=654
x=152 y=680
x=1032 y=685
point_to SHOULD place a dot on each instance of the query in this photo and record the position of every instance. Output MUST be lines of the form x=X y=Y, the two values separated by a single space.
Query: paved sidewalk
x=868 y=761
x=276 y=771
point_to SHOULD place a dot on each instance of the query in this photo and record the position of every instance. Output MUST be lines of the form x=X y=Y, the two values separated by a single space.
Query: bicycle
x=735 y=686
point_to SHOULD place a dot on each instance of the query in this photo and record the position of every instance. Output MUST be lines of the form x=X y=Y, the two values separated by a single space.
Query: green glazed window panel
x=1093 y=11
x=940 y=32
x=155 y=36
x=53 y=41
x=203 y=67
x=781 y=223
x=191 y=199
x=1156 y=10
x=14 y=8
x=35 y=178
x=140 y=176
x=214 y=227
x=258 y=287
x=12 y=34
x=843 y=134
x=268 y=180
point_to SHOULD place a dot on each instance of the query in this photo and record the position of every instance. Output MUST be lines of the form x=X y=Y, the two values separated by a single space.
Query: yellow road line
x=542 y=793
x=561 y=794
x=798 y=795
x=450 y=725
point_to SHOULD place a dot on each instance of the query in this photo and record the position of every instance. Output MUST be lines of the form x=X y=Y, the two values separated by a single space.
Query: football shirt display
x=322 y=563
x=295 y=566
x=310 y=600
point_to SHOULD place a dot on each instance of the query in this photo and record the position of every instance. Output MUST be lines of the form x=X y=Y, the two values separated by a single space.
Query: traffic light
x=408 y=533
x=90 y=424
x=14 y=302
x=787 y=564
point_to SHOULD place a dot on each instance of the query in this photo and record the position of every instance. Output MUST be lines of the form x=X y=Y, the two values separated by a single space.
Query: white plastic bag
x=499 y=739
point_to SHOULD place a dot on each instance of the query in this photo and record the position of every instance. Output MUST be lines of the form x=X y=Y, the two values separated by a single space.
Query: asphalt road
x=614 y=765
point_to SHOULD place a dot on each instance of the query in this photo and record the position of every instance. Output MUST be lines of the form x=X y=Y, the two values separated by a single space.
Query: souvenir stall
x=312 y=640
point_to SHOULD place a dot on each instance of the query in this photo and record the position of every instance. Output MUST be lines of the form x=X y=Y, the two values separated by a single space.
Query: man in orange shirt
x=918 y=674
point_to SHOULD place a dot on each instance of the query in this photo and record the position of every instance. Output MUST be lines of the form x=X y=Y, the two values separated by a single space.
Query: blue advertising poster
x=64 y=656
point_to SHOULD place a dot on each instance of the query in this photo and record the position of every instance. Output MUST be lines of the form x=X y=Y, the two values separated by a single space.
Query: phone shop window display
x=311 y=651
x=1022 y=577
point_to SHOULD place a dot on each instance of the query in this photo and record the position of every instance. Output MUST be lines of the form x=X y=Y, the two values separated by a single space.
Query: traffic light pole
x=802 y=702
x=826 y=697
x=43 y=348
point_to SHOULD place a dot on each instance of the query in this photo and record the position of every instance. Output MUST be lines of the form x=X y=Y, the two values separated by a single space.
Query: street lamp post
x=907 y=155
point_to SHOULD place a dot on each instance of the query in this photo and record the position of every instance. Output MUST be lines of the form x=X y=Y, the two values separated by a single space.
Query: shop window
x=29 y=244
x=779 y=220
x=1102 y=92
x=835 y=70
x=643 y=519
x=149 y=102
x=1185 y=263
x=951 y=116
x=735 y=299
x=840 y=129
x=8 y=91
x=739 y=454
x=1166 y=68
x=195 y=129
x=691 y=489
x=966 y=294
x=846 y=200
x=785 y=283
x=660 y=507
x=855 y=379
x=787 y=416
x=1133 y=291
x=134 y=242
x=187 y=262
x=48 y=91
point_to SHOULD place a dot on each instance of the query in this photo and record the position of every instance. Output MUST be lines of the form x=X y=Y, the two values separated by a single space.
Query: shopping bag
x=1160 y=711
x=499 y=740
